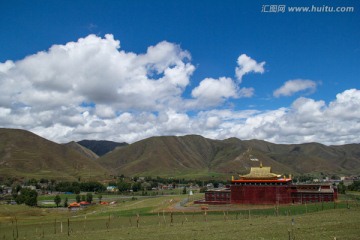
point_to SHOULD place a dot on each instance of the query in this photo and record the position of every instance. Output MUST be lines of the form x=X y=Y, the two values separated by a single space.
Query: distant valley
x=101 y=147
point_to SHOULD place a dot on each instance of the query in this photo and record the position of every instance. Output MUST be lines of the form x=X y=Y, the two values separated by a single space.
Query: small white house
x=111 y=189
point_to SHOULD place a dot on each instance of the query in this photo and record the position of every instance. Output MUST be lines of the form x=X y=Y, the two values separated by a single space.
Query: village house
x=112 y=189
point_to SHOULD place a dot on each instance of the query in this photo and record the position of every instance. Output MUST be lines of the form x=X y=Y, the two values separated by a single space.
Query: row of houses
x=8 y=190
x=160 y=187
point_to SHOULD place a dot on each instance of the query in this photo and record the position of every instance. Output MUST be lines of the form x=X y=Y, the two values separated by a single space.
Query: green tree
x=27 y=196
x=136 y=186
x=57 y=200
x=123 y=186
x=15 y=191
x=76 y=189
x=89 y=197
x=33 y=182
x=83 y=198
x=203 y=189
x=66 y=202
x=184 y=190
x=305 y=178
x=145 y=186
x=355 y=186
x=53 y=181
x=44 y=180
x=78 y=198
x=92 y=187
x=341 y=188
x=335 y=177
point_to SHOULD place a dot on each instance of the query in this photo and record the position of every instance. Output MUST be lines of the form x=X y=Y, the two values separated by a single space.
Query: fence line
x=78 y=226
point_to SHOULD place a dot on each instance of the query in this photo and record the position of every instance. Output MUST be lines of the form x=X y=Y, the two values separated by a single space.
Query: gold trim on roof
x=260 y=173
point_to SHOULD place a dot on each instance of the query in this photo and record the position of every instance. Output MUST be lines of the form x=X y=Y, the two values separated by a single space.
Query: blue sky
x=298 y=82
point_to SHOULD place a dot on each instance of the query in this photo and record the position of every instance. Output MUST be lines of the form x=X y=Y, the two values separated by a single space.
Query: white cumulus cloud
x=293 y=86
x=93 y=89
x=94 y=70
x=247 y=65
x=213 y=91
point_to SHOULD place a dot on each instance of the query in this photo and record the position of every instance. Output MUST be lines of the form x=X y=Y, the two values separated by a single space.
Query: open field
x=163 y=218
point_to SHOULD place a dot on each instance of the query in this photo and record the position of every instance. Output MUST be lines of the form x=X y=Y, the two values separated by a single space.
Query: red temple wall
x=299 y=197
x=217 y=196
x=335 y=194
x=260 y=194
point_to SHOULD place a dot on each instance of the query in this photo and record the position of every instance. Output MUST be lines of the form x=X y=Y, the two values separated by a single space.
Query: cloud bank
x=93 y=89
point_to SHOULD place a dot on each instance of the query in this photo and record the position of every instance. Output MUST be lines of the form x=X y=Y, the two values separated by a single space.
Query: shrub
x=27 y=196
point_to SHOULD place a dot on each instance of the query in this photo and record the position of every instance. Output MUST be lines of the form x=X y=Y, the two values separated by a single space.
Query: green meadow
x=163 y=218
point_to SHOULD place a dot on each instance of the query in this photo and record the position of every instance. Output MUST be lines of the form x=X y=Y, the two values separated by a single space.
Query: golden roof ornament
x=260 y=173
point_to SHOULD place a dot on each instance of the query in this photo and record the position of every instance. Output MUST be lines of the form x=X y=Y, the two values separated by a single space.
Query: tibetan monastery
x=261 y=186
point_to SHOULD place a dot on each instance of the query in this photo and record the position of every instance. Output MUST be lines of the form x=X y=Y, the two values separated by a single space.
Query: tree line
x=25 y=195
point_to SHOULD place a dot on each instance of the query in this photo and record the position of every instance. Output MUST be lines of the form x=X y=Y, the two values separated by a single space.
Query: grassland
x=162 y=218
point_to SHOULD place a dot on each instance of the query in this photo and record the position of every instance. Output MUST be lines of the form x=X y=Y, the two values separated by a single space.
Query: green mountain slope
x=24 y=154
x=313 y=157
x=196 y=156
x=82 y=150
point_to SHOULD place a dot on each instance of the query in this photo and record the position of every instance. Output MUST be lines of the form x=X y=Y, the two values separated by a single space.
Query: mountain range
x=24 y=154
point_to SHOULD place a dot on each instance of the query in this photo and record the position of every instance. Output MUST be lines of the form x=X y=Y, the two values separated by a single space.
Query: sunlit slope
x=197 y=156
x=24 y=154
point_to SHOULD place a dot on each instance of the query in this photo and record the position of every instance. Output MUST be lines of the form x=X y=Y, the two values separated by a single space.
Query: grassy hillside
x=161 y=156
x=24 y=154
x=313 y=157
x=82 y=150
x=187 y=156
x=196 y=156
